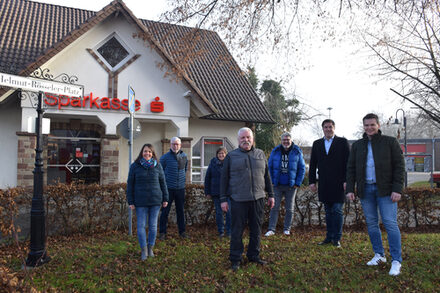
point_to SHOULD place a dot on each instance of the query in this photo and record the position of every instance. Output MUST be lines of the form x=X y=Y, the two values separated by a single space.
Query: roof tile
x=30 y=31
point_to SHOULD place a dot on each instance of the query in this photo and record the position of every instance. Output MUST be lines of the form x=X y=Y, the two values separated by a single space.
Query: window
x=202 y=153
x=113 y=52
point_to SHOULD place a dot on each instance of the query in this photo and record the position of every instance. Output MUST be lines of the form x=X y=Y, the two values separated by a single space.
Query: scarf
x=148 y=163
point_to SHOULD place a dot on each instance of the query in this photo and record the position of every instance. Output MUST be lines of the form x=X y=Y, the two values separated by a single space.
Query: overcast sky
x=333 y=77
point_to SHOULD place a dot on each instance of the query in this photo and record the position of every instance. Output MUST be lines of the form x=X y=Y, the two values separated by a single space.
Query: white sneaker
x=269 y=233
x=377 y=259
x=395 y=268
x=286 y=232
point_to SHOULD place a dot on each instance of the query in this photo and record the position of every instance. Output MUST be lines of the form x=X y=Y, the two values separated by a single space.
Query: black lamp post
x=329 y=112
x=396 y=121
x=37 y=255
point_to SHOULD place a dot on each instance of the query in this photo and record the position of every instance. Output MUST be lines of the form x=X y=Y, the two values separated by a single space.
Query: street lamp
x=396 y=121
x=329 y=112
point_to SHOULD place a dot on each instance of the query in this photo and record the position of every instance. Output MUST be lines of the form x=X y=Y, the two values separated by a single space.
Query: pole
x=130 y=159
x=406 y=149
x=37 y=255
x=431 y=181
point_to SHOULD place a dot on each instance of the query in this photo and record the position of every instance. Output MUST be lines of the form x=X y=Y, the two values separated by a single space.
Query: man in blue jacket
x=287 y=169
x=175 y=164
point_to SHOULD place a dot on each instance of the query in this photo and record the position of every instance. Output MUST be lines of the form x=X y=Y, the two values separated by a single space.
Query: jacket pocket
x=181 y=162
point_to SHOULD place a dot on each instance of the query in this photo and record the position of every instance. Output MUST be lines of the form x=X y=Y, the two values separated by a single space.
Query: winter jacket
x=245 y=176
x=297 y=167
x=175 y=166
x=146 y=186
x=388 y=161
x=212 y=177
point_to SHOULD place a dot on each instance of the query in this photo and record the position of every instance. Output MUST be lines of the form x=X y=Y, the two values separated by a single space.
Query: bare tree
x=250 y=26
x=408 y=48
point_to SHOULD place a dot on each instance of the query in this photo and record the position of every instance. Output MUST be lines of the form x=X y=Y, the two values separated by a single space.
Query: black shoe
x=336 y=244
x=162 y=236
x=325 y=242
x=258 y=261
x=221 y=235
x=184 y=235
x=235 y=266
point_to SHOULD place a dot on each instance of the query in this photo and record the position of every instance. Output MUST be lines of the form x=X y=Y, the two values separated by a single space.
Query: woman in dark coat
x=212 y=190
x=146 y=192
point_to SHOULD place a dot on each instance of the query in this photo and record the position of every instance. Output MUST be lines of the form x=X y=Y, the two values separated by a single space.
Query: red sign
x=156 y=106
x=89 y=102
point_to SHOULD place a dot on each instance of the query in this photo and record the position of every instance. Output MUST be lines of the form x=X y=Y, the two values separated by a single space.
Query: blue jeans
x=334 y=218
x=142 y=213
x=177 y=195
x=289 y=193
x=388 y=212
x=222 y=226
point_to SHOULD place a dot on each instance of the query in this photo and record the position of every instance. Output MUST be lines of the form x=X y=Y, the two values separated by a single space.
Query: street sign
x=131 y=100
x=124 y=128
x=74 y=166
x=41 y=85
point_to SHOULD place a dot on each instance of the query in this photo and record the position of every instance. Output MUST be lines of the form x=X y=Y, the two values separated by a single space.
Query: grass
x=111 y=262
x=422 y=184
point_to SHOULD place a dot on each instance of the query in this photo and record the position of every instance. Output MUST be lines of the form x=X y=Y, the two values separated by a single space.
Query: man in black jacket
x=330 y=156
x=377 y=167
x=245 y=180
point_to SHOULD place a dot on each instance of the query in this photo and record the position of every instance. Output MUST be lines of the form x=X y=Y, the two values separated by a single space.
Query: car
x=436 y=178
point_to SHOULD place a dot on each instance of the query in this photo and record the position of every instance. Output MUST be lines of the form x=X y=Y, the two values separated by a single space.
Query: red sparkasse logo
x=156 y=106
x=89 y=102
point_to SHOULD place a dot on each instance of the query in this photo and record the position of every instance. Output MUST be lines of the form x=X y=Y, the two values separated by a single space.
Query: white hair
x=286 y=134
x=175 y=138
x=247 y=129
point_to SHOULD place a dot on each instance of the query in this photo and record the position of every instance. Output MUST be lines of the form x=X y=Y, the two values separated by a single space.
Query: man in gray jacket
x=245 y=179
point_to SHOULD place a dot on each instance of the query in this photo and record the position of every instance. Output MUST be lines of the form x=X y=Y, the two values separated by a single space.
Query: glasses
x=175 y=144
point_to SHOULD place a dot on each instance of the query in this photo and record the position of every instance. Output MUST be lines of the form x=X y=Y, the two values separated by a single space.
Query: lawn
x=111 y=262
x=426 y=184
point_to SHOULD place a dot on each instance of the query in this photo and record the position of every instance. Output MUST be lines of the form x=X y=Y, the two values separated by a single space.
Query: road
x=418 y=176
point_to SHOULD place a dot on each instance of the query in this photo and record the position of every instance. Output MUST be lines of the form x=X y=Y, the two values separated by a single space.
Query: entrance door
x=73 y=159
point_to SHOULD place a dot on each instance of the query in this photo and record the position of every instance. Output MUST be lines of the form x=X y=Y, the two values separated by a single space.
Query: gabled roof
x=31 y=33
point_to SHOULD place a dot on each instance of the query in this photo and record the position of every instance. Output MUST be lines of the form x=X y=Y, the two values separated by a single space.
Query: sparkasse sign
x=36 y=85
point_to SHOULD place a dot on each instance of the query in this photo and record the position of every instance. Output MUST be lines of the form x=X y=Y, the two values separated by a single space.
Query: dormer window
x=113 y=52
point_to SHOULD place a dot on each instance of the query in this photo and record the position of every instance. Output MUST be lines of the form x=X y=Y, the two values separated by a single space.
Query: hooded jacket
x=297 y=167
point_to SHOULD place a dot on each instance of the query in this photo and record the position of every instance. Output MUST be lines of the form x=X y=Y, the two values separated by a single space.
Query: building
x=204 y=101
x=421 y=154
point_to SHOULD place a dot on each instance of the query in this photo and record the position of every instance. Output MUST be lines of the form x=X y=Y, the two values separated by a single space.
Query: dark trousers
x=177 y=195
x=334 y=218
x=246 y=213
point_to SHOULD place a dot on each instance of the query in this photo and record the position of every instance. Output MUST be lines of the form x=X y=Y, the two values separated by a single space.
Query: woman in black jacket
x=212 y=190
x=146 y=192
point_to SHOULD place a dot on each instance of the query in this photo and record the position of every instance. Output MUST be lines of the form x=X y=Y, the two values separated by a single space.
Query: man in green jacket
x=377 y=167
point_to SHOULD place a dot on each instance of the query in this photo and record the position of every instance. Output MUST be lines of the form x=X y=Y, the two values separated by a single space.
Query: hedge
x=79 y=208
